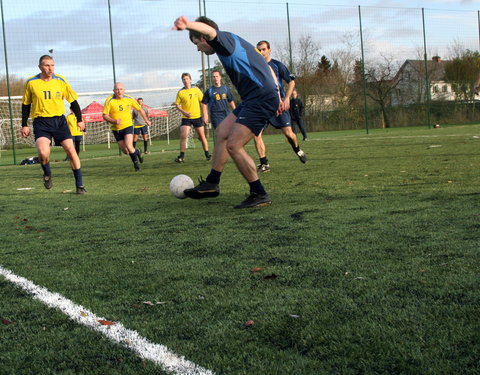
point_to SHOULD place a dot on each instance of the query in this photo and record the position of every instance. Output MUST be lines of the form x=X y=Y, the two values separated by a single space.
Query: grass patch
x=374 y=245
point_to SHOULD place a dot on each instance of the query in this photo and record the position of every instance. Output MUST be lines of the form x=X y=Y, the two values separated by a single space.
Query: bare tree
x=381 y=83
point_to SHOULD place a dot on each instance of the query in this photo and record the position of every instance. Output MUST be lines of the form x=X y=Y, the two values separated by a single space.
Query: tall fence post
x=289 y=40
x=12 y=130
x=427 y=82
x=111 y=41
x=478 y=23
x=365 y=104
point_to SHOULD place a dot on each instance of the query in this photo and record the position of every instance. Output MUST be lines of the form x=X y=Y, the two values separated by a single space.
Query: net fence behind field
x=164 y=119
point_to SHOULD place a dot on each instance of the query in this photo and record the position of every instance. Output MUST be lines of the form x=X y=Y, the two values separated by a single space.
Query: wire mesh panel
x=416 y=67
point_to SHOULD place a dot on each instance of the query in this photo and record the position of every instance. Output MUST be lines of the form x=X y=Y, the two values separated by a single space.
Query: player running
x=117 y=111
x=44 y=98
x=282 y=121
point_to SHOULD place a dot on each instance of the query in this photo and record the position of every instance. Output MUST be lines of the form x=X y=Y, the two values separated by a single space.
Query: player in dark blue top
x=257 y=86
x=217 y=100
x=282 y=122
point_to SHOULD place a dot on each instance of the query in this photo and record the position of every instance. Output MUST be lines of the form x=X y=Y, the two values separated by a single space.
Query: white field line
x=159 y=354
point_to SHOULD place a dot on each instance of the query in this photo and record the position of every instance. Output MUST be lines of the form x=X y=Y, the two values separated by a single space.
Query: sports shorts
x=281 y=121
x=255 y=114
x=77 y=138
x=120 y=134
x=196 y=122
x=217 y=118
x=51 y=127
x=142 y=130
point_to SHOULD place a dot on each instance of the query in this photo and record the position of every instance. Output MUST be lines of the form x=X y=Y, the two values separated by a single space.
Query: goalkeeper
x=43 y=98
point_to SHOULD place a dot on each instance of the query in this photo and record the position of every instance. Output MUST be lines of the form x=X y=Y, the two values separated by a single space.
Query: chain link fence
x=355 y=67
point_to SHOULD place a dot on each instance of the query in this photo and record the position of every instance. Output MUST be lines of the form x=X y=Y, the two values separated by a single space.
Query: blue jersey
x=217 y=99
x=245 y=66
x=282 y=73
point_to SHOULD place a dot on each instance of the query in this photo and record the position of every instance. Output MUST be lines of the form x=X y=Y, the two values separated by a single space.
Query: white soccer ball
x=178 y=185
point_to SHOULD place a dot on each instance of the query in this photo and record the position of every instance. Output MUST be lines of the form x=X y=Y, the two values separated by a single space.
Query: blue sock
x=78 y=177
x=46 y=169
x=214 y=177
x=257 y=187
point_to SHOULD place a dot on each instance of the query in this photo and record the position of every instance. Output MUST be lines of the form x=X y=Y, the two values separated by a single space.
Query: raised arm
x=182 y=23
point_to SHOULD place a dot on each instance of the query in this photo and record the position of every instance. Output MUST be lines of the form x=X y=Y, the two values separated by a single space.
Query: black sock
x=78 y=177
x=182 y=155
x=264 y=160
x=145 y=146
x=46 y=169
x=133 y=156
x=214 y=177
x=134 y=144
x=296 y=149
x=257 y=187
x=207 y=154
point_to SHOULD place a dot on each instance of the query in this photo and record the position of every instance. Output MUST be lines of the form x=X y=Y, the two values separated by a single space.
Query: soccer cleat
x=203 y=190
x=81 y=190
x=178 y=159
x=146 y=152
x=263 y=168
x=255 y=200
x=47 y=182
x=208 y=157
x=301 y=155
x=140 y=157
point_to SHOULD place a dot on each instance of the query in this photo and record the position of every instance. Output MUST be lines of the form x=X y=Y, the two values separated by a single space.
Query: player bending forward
x=257 y=87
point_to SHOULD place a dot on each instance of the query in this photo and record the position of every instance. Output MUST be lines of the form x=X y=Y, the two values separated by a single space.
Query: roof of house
x=436 y=69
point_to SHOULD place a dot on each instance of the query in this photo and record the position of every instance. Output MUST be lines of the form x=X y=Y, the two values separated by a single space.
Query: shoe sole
x=195 y=194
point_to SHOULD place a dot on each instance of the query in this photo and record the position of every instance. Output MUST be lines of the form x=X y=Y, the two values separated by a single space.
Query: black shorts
x=120 y=134
x=51 y=127
x=196 y=122
x=77 y=138
x=142 y=130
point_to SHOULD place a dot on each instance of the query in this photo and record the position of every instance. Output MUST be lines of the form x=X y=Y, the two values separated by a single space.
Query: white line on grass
x=159 y=354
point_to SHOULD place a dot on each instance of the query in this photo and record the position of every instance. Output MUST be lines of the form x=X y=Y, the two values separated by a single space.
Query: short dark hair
x=186 y=74
x=139 y=98
x=264 y=42
x=216 y=71
x=205 y=20
x=44 y=57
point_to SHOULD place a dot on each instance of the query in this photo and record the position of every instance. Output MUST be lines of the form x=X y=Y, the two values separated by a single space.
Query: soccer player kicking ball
x=117 y=111
x=43 y=97
x=257 y=86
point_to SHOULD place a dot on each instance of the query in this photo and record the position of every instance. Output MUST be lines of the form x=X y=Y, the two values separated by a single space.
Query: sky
x=148 y=54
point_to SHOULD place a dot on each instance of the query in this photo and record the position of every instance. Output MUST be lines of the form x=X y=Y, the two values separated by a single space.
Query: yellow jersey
x=46 y=97
x=120 y=109
x=72 y=124
x=189 y=100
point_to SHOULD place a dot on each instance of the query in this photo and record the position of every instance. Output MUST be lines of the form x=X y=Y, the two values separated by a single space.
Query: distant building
x=411 y=82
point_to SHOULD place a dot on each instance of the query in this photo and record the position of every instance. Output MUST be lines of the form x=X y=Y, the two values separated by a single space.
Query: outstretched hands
x=180 y=23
